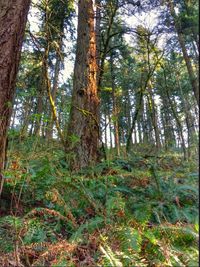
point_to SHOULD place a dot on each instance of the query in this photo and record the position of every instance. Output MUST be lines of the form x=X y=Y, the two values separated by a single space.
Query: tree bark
x=98 y=36
x=13 y=17
x=83 y=129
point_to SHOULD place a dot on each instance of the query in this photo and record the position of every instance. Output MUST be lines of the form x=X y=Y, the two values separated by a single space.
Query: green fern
x=88 y=227
x=10 y=227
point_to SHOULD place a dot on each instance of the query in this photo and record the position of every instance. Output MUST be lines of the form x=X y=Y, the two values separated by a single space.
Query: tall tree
x=83 y=129
x=13 y=17
x=191 y=73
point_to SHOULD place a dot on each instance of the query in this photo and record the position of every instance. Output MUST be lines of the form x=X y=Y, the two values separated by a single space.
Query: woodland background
x=99 y=109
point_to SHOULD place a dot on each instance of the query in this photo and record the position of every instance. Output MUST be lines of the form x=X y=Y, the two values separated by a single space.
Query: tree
x=193 y=78
x=150 y=56
x=83 y=129
x=13 y=17
x=48 y=42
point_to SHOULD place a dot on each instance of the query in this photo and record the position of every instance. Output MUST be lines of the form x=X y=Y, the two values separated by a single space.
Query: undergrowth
x=138 y=211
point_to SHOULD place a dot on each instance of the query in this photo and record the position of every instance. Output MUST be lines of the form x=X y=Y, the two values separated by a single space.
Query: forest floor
x=140 y=210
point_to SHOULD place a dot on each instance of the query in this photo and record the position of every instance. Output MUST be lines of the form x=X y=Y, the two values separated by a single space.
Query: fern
x=10 y=228
x=110 y=256
x=89 y=226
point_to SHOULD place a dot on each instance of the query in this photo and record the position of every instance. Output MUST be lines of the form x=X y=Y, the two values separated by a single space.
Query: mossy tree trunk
x=83 y=129
x=13 y=17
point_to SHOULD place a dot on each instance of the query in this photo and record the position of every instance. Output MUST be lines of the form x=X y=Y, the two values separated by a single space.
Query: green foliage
x=131 y=239
x=36 y=232
x=124 y=212
x=89 y=227
x=10 y=227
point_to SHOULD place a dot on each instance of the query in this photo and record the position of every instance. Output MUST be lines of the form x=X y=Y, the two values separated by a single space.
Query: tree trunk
x=26 y=117
x=50 y=124
x=137 y=110
x=179 y=124
x=83 y=129
x=192 y=77
x=188 y=118
x=153 y=114
x=98 y=37
x=139 y=132
x=167 y=121
x=135 y=136
x=14 y=112
x=13 y=16
x=40 y=104
x=115 y=111
x=105 y=132
x=49 y=131
x=106 y=45
x=110 y=130
x=149 y=125
x=128 y=116
x=144 y=123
